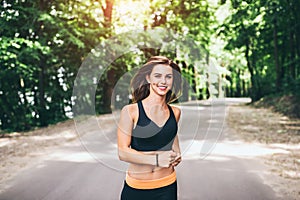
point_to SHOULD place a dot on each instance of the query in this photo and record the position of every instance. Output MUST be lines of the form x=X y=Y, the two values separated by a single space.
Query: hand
x=166 y=158
x=177 y=160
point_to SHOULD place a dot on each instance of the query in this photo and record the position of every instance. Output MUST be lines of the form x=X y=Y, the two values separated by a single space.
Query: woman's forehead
x=163 y=69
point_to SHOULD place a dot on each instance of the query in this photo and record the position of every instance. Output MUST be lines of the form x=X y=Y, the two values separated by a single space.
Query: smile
x=162 y=87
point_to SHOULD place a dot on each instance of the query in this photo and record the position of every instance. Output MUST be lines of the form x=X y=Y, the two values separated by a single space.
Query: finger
x=175 y=164
x=172 y=159
x=177 y=158
x=173 y=153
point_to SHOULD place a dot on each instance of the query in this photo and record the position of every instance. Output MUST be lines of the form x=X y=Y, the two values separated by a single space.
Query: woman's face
x=161 y=79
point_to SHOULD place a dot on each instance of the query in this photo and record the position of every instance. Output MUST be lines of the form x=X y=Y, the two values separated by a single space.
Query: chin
x=162 y=93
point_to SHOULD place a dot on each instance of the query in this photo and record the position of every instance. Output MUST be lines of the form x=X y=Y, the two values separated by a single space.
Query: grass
x=286 y=104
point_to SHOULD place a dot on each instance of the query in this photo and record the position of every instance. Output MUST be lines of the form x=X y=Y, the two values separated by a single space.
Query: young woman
x=147 y=132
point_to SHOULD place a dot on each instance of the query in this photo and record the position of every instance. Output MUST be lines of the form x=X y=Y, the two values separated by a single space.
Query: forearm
x=176 y=149
x=137 y=157
x=176 y=146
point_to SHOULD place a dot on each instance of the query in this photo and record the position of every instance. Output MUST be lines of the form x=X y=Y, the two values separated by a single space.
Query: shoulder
x=177 y=112
x=130 y=110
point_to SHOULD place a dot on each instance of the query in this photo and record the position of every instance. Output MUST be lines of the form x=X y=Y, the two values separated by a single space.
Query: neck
x=156 y=100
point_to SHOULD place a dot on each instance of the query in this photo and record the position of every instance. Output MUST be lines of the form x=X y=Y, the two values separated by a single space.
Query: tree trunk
x=108 y=84
x=107 y=12
x=193 y=81
x=276 y=57
x=238 y=84
x=292 y=67
x=254 y=89
x=294 y=39
x=185 y=91
x=41 y=97
x=41 y=82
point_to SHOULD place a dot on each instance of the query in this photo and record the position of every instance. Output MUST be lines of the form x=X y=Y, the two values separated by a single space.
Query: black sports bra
x=148 y=136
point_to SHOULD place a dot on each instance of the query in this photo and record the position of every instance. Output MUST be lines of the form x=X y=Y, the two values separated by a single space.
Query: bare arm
x=176 y=147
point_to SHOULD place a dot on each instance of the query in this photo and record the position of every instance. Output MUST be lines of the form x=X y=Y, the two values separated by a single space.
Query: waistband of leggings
x=150 y=184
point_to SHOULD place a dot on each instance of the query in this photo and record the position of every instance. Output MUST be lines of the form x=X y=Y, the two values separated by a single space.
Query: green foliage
x=268 y=34
x=43 y=44
x=38 y=42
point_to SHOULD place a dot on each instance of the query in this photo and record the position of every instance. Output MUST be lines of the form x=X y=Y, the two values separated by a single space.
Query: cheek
x=155 y=81
x=170 y=82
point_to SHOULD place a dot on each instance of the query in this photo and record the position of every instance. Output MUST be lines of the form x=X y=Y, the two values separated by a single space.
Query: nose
x=163 y=80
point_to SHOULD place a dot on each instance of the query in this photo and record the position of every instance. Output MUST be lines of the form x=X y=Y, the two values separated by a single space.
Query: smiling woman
x=147 y=132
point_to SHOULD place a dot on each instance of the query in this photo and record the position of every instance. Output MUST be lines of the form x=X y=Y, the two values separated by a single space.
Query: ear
x=148 y=78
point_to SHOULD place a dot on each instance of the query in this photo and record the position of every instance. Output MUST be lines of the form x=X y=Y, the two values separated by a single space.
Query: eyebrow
x=161 y=74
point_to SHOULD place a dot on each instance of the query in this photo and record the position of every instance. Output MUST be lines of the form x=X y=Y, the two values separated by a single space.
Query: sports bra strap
x=141 y=109
x=171 y=111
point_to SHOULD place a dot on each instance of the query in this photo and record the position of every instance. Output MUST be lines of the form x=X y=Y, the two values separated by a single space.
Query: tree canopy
x=267 y=34
x=44 y=43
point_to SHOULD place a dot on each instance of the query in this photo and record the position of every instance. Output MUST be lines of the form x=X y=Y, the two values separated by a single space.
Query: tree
x=265 y=32
x=38 y=42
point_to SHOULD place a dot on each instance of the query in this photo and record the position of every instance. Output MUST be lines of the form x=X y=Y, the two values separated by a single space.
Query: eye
x=169 y=76
x=157 y=75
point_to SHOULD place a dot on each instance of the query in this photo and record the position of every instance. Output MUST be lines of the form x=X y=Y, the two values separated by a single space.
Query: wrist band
x=156 y=160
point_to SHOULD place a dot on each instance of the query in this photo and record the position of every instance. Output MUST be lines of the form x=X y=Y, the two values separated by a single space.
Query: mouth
x=163 y=88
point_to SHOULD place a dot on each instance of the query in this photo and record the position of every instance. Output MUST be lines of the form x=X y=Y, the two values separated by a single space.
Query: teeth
x=162 y=87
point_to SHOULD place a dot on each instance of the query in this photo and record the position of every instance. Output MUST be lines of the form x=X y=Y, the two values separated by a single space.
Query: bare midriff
x=148 y=172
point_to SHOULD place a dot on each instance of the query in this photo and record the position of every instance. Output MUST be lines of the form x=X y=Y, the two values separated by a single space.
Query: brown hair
x=141 y=88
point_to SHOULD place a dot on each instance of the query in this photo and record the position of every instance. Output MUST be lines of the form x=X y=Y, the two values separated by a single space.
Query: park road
x=215 y=165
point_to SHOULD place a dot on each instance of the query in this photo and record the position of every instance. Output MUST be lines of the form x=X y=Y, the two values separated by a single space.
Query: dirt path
x=22 y=150
x=263 y=126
